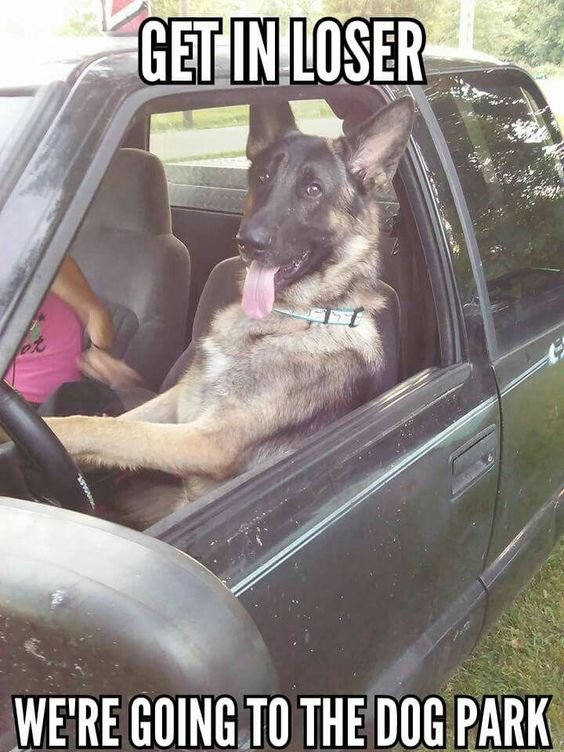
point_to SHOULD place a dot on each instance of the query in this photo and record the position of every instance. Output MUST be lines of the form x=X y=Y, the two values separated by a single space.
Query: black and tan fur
x=257 y=386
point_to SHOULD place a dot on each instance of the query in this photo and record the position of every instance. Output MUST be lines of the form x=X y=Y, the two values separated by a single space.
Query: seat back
x=222 y=288
x=126 y=250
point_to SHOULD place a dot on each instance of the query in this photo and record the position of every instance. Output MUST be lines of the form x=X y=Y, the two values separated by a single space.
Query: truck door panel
x=359 y=556
x=342 y=555
x=507 y=149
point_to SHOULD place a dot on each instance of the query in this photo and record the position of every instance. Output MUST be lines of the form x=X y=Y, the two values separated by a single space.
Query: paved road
x=177 y=145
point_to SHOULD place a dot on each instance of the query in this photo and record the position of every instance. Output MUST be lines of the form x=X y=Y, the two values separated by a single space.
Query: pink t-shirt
x=48 y=356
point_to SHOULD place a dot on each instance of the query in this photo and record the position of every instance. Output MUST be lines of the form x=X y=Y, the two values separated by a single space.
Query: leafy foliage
x=86 y=21
x=530 y=32
x=166 y=8
x=539 y=37
x=440 y=17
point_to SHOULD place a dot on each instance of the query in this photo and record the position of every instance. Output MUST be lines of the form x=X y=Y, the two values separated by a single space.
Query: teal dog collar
x=350 y=317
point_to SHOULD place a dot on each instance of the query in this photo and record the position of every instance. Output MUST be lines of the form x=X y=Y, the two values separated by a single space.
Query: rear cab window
x=203 y=151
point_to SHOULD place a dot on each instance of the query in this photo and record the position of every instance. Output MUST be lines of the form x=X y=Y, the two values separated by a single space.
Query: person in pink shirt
x=52 y=354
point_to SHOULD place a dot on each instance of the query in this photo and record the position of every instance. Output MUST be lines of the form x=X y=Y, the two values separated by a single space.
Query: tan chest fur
x=243 y=358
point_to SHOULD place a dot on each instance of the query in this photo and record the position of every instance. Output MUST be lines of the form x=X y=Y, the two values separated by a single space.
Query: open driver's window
x=203 y=152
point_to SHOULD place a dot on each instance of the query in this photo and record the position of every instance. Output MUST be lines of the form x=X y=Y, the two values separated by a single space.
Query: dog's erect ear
x=268 y=123
x=377 y=145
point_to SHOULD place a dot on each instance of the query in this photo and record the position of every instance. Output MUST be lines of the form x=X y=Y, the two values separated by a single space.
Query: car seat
x=133 y=262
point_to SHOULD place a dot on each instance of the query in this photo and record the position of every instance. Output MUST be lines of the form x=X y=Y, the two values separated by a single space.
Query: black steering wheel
x=38 y=444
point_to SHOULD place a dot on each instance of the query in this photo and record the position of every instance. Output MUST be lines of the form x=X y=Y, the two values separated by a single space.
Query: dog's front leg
x=215 y=445
x=200 y=447
x=161 y=409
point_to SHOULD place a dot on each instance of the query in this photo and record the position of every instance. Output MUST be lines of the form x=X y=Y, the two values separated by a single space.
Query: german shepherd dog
x=262 y=380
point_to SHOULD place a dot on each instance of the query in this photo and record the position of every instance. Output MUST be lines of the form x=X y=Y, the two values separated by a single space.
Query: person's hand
x=99 y=365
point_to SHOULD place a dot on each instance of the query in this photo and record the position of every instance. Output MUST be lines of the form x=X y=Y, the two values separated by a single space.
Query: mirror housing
x=90 y=607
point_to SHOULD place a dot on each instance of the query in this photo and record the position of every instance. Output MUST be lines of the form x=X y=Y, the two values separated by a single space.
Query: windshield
x=12 y=113
x=25 y=115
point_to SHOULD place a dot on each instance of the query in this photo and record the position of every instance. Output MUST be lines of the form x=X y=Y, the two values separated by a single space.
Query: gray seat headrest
x=133 y=195
x=220 y=290
x=128 y=254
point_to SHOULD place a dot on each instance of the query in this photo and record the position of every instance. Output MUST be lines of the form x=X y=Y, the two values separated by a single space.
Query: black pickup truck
x=373 y=558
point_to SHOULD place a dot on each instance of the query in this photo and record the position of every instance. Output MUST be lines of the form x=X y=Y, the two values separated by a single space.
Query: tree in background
x=165 y=8
x=86 y=21
x=530 y=32
x=539 y=33
x=494 y=28
x=440 y=17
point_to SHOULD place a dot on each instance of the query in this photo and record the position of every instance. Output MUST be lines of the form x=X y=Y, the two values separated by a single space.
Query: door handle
x=469 y=463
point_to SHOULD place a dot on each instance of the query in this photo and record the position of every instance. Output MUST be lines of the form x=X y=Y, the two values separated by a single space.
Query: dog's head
x=310 y=196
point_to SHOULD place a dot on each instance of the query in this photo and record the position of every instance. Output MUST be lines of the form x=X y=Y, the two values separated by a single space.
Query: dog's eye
x=264 y=176
x=314 y=190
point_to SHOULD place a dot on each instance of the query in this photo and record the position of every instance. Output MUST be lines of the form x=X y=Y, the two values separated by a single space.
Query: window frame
x=452 y=335
x=402 y=401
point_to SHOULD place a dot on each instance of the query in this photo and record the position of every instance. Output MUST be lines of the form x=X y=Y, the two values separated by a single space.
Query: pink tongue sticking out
x=258 y=292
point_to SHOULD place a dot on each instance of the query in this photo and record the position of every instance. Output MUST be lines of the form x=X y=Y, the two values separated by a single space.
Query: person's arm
x=72 y=287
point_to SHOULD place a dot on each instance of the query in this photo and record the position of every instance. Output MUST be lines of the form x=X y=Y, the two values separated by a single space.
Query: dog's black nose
x=254 y=239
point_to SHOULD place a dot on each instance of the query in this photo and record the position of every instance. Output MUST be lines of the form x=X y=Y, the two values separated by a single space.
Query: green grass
x=524 y=652
x=218 y=117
